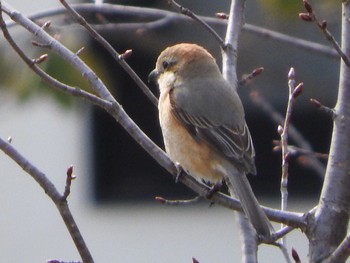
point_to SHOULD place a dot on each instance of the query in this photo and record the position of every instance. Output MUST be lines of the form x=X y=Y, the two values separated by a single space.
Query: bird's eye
x=165 y=64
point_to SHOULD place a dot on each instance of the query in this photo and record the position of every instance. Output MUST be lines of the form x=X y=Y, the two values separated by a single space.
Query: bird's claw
x=214 y=189
x=179 y=171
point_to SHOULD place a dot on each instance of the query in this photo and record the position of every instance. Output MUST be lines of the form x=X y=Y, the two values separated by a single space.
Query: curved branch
x=55 y=196
x=117 y=57
x=201 y=21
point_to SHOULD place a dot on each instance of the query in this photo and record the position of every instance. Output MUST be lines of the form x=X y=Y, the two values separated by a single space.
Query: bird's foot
x=179 y=171
x=214 y=189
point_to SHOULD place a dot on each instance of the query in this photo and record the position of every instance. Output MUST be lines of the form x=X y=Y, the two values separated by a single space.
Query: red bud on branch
x=307 y=6
x=306 y=17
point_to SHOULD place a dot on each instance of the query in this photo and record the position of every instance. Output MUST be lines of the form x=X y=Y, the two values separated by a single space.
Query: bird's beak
x=153 y=76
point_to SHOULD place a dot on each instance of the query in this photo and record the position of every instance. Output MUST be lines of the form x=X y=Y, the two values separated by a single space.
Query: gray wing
x=234 y=143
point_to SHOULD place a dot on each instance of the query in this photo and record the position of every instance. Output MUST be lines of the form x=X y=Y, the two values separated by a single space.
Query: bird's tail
x=239 y=186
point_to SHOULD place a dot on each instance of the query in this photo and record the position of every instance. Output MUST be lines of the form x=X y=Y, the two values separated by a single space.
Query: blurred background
x=113 y=195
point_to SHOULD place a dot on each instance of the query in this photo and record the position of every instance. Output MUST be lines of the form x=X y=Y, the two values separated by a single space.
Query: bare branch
x=297 y=151
x=249 y=239
x=282 y=232
x=342 y=253
x=229 y=53
x=283 y=248
x=294 y=92
x=118 y=57
x=248 y=235
x=311 y=17
x=54 y=195
x=44 y=182
x=256 y=72
x=298 y=138
x=325 y=109
x=284 y=132
x=51 y=81
x=177 y=202
x=61 y=50
x=198 y=19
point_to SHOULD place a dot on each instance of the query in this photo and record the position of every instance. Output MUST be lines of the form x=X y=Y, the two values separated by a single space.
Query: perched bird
x=203 y=125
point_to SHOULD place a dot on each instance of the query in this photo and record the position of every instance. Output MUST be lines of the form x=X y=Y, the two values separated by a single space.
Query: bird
x=203 y=125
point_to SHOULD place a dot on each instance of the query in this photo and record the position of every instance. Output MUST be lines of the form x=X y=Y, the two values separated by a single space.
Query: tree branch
x=201 y=21
x=311 y=16
x=249 y=239
x=49 y=188
x=249 y=246
x=294 y=92
x=335 y=198
x=294 y=134
x=117 y=57
x=61 y=50
x=342 y=253
x=229 y=52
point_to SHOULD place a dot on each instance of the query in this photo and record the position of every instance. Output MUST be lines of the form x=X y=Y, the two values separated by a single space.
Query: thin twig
x=282 y=232
x=52 y=192
x=117 y=57
x=284 y=132
x=284 y=250
x=52 y=81
x=177 y=202
x=198 y=19
x=297 y=151
x=256 y=72
x=294 y=134
x=59 y=261
x=310 y=16
x=329 y=111
x=62 y=51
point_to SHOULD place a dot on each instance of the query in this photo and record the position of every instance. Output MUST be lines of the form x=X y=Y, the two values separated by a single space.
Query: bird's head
x=183 y=61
